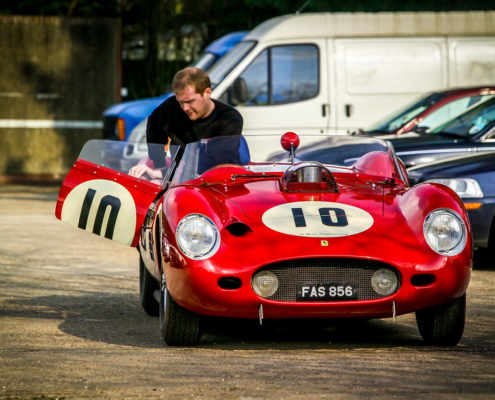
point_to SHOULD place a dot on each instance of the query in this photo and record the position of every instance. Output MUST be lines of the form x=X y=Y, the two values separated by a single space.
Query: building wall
x=57 y=76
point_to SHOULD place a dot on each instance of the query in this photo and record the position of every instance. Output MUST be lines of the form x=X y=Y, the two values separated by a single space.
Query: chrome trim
x=459 y=247
x=216 y=245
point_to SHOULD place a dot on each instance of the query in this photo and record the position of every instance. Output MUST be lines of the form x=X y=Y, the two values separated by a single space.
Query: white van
x=332 y=73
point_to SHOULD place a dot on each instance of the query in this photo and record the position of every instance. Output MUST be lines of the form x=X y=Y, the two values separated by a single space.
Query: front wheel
x=443 y=325
x=178 y=326
x=147 y=286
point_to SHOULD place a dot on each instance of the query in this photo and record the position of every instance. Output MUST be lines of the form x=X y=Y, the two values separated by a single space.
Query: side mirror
x=239 y=91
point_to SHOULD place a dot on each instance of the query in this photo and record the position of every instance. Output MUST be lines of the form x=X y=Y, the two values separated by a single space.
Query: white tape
x=49 y=124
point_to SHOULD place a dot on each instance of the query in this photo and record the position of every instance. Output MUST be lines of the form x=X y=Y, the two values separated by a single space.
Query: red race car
x=221 y=235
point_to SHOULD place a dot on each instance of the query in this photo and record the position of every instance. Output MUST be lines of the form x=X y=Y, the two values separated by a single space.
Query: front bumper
x=195 y=287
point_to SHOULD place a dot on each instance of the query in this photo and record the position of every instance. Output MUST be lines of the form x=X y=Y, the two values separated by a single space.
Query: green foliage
x=82 y=8
x=179 y=22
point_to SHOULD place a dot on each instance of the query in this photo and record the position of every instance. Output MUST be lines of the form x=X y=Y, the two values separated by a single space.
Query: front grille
x=109 y=128
x=326 y=270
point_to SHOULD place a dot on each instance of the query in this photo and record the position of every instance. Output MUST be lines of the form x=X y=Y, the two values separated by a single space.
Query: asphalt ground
x=71 y=327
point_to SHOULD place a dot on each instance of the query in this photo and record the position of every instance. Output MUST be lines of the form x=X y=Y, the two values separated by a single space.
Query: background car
x=473 y=179
x=468 y=133
x=120 y=119
x=430 y=111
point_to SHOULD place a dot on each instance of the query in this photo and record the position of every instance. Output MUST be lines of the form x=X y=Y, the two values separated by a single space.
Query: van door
x=284 y=88
x=377 y=76
x=472 y=61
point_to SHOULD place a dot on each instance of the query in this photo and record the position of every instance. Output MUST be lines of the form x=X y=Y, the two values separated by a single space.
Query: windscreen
x=339 y=153
x=201 y=156
x=471 y=122
x=405 y=114
x=129 y=158
x=205 y=61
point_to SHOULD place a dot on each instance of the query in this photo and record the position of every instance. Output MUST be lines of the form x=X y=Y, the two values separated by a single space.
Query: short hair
x=195 y=77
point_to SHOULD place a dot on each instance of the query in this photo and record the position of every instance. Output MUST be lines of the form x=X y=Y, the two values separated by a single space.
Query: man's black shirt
x=168 y=120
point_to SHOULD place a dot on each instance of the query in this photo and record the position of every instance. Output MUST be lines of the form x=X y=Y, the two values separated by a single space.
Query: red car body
x=237 y=200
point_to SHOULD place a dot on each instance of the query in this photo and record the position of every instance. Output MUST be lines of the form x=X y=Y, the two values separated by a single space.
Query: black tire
x=147 y=286
x=443 y=325
x=178 y=326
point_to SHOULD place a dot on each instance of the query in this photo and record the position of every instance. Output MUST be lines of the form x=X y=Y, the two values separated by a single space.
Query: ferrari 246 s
x=222 y=235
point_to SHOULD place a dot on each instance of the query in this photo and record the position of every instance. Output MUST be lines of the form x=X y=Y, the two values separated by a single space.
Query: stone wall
x=57 y=76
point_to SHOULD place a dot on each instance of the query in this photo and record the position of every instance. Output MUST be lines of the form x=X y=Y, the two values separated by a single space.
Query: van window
x=256 y=79
x=228 y=62
x=279 y=75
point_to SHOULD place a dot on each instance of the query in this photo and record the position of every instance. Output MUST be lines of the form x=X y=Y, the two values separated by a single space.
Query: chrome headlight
x=265 y=283
x=384 y=282
x=445 y=232
x=464 y=187
x=197 y=236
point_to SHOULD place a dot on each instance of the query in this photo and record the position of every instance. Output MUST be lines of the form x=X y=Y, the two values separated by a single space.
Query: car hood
x=415 y=140
x=454 y=167
x=256 y=198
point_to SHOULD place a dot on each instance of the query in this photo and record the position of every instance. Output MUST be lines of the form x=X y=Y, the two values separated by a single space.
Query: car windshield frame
x=229 y=61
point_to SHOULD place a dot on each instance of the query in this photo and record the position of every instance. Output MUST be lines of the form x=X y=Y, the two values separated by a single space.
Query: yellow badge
x=324 y=242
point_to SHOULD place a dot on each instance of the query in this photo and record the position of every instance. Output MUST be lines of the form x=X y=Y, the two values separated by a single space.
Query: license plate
x=333 y=291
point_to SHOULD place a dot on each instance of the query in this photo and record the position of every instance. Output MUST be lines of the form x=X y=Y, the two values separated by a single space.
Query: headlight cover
x=264 y=283
x=445 y=232
x=197 y=236
x=464 y=187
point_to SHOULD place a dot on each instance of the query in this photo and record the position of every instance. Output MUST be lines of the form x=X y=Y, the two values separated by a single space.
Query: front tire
x=443 y=325
x=147 y=286
x=178 y=326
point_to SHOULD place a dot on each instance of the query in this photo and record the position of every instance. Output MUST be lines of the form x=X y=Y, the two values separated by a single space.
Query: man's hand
x=141 y=170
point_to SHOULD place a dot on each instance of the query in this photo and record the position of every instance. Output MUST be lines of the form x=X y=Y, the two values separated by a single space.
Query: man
x=187 y=117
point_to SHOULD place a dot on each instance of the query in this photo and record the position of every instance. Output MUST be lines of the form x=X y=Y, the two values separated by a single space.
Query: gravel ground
x=71 y=327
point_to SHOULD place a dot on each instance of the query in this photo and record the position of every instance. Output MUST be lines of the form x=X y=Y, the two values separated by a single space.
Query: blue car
x=473 y=179
x=120 y=119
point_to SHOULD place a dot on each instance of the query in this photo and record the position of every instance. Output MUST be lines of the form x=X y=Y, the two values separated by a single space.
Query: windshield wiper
x=373 y=131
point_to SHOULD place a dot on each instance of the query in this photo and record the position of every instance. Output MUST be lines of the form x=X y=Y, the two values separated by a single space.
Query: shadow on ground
x=118 y=319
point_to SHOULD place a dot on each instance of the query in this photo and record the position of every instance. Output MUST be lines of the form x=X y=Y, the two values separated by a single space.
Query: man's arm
x=156 y=134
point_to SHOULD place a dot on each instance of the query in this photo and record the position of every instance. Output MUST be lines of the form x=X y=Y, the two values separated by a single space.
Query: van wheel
x=178 y=326
x=147 y=286
x=443 y=325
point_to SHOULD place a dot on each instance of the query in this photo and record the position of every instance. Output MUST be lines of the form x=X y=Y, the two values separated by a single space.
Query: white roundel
x=317 y=219
x=103 y=207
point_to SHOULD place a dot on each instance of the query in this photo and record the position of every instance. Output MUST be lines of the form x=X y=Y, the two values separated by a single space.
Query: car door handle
x=324 y=109
x=348 y=110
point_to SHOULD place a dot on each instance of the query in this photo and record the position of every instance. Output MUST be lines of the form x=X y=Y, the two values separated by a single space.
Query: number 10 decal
x=321 y=219
x=103 y=207
x=106 y=201
x=326 y=217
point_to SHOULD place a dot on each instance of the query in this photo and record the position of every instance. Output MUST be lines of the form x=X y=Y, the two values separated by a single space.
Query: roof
x=313 y=25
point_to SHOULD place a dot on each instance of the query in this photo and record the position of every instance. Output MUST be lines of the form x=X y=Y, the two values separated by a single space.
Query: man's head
x=192 y=88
